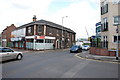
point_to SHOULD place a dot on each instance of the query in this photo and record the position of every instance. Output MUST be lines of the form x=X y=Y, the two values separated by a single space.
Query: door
x=8 y=54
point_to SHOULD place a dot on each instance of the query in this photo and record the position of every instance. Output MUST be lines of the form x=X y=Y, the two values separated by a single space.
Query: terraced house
x=6 y=35
x=42 y=34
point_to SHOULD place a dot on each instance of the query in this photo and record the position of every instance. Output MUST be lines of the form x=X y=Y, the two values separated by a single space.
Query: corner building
x=42 y=34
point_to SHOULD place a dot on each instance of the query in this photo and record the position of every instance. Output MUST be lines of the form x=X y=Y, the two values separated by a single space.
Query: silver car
x=8 y=54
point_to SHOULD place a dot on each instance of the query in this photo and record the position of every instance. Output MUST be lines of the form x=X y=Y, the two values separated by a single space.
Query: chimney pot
x=34 y=18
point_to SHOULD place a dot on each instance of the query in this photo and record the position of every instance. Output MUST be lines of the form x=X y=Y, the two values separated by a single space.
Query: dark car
x=76 y=48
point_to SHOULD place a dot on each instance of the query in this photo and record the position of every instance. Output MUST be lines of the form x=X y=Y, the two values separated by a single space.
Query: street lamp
x=117 y=31
x=62 y=30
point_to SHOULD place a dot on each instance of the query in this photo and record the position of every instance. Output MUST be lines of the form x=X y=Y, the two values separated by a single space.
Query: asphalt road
x=57 y=64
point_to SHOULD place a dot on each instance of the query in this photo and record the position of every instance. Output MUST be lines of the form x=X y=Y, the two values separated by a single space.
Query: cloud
x=80 y=15
x=20 y=12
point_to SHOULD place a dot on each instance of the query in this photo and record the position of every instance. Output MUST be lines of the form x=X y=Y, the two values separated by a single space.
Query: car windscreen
x=74 y=47
x=86 y=46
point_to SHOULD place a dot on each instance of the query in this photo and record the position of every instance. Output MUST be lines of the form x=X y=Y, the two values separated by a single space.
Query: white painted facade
x=19 y=33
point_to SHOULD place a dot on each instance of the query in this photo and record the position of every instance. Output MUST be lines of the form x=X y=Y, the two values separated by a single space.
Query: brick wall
x=102 y=52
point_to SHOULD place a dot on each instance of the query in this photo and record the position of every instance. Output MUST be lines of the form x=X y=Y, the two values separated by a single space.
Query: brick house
x=42 y=34
x=6 y=35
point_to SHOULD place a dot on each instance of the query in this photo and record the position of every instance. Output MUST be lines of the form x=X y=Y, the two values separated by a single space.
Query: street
x=57 y=64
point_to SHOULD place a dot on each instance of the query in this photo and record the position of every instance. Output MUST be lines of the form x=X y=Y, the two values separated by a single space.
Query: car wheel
x=19 y=57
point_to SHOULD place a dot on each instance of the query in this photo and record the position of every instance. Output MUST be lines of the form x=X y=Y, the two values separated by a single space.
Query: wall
x=19 y=33
x=102 y=52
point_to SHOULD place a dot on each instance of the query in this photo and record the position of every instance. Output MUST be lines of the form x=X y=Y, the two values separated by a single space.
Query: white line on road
x=75 y=70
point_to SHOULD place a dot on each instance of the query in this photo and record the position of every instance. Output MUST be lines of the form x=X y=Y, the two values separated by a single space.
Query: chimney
x=34 y=18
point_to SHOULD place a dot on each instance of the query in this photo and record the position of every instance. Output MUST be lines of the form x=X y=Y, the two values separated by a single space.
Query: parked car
x=85 y=47
x=76 y=48
x=8 y=54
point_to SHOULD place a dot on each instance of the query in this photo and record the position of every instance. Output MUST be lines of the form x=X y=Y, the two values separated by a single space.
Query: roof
x=44 y=22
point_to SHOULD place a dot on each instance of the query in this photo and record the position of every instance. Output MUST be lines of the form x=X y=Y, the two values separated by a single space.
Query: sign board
x=40 y=37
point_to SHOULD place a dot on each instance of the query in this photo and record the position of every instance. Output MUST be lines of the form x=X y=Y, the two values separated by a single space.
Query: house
x=42 y=34
x=6 y=35
x=110 y=19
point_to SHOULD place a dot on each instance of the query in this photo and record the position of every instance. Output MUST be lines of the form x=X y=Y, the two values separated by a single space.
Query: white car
x=8 y=54
x=85 y=47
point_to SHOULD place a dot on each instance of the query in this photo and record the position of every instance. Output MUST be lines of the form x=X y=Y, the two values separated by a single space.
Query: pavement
x=87 y=55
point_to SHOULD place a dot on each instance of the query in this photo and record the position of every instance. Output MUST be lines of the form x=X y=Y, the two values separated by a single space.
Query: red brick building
x=6 y=35
x=42 y=34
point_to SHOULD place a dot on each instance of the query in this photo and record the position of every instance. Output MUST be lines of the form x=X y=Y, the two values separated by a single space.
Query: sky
x=82 y=14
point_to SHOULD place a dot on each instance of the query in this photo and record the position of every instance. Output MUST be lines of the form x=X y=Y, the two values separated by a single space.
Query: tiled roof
x=44 y=22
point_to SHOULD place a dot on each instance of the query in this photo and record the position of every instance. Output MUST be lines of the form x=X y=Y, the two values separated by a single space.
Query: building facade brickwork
x=6 y=35
x=42 y=34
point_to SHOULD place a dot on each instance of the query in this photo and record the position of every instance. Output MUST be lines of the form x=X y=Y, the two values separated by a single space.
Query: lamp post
x=62 y=30
x=117 y=31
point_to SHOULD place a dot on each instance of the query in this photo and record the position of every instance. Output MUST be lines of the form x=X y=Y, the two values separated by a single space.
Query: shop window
x=39 y=41
x=48 y=41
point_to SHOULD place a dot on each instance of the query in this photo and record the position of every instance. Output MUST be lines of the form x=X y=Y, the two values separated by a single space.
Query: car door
x=4 y=54
x=8 y=54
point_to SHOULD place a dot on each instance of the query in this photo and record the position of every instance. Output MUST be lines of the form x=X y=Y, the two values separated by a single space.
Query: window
x=104 y=38
x=50 y=31
x=7 y=50
x=39 y=28
x=105 y=42
x=39 y=41
x=72 y=37
x=116 y=19
x=116 y=1
x=57 y=32
x=104 y=8
x=104 y=24
x=48 y=41
x=67 y=34
x=115 y=38
x=29 y=29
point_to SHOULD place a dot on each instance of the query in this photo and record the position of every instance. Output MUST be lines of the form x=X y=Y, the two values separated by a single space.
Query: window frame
x=29 y=29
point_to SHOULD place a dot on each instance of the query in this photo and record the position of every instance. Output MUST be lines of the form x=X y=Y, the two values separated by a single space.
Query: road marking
x=74 y=70
x=95 y=60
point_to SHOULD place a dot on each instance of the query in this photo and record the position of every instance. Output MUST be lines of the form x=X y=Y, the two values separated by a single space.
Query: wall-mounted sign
x=40 y=37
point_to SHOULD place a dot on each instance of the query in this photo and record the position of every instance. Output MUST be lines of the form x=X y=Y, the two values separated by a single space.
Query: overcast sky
x=81 y=13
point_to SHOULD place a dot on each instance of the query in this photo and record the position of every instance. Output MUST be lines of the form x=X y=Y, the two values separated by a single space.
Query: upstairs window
x=57 y=32
x=117 y=20
x=39 y=28
x=104 y=9
x=104 y=24
x=50 y=31
x=29 y=30
x=115 y=39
